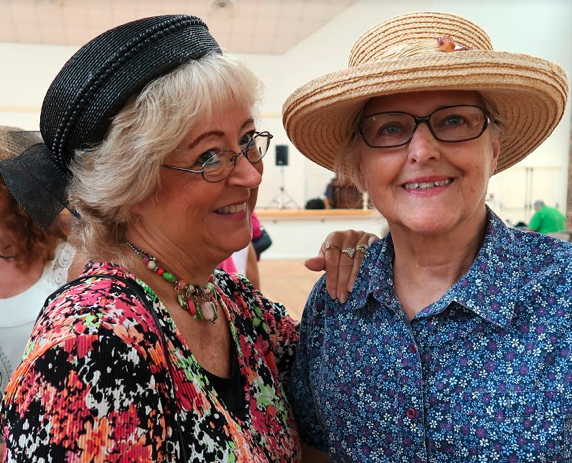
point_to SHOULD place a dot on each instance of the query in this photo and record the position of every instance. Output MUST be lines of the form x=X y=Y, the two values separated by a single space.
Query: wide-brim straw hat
x=401 y=55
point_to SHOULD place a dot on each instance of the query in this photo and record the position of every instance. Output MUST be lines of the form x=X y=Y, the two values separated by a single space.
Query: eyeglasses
x=451 y=124
x=219 y=165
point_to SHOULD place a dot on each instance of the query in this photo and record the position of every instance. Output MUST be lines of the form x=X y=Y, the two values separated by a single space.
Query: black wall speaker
x=281 y=155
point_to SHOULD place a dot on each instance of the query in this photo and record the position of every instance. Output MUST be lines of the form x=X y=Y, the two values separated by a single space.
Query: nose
x=246 y=173
x=423 y=145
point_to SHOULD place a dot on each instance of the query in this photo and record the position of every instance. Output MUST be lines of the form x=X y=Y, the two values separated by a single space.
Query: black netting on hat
x=37 y=183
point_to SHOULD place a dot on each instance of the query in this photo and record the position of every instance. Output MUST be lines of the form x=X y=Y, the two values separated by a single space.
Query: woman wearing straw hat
x=456 y=342
x=152 y=354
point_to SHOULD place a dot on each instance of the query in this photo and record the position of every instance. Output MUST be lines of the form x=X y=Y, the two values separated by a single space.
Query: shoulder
x=106 y=301
x=247 y=302
x=542 y=251
x=545 y=269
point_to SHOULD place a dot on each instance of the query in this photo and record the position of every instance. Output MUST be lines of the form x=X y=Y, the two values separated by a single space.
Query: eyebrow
x=218 y=133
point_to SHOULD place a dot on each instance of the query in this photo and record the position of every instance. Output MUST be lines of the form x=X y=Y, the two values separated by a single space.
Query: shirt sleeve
x=535 y=221
x=89 y=398
x=300 y=388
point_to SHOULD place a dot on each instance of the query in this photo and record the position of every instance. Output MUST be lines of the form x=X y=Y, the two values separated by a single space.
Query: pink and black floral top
x=94 y=384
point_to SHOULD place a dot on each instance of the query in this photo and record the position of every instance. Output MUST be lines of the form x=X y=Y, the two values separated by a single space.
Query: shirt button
x=410 y=413
x=412 y=348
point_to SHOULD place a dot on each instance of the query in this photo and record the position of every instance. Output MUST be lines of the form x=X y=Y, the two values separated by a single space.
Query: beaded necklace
x=199 y=301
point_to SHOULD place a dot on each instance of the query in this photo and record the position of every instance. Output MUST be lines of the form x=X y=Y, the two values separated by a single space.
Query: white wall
x=536 y=27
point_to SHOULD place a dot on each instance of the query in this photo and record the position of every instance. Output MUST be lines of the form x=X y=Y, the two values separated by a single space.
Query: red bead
x=161 y=271
x=192 y=308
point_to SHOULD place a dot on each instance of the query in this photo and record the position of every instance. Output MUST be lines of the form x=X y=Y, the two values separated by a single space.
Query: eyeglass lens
x=222 y=163
x=453 y=124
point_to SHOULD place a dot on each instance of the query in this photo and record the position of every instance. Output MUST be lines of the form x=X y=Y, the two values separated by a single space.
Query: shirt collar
x=489 y=288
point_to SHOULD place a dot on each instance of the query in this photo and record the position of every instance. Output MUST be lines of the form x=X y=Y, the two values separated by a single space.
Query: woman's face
x=461 y=169
x=202 y=218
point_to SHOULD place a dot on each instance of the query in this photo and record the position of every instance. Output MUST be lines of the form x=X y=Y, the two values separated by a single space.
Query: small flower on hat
x=446 y=43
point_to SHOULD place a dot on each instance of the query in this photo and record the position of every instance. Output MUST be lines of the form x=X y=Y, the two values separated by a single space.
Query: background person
x=455 y=343
x=33 y=263
x=152 y=355
x=546 y=219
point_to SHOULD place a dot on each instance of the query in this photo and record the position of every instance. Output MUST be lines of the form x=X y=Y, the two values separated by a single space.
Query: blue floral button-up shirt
x=484 y=374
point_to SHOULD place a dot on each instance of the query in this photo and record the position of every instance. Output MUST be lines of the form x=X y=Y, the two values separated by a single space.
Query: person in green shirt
x=546 y=219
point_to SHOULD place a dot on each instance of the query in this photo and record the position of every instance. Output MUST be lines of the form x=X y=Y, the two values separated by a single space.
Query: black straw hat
x=88 y=92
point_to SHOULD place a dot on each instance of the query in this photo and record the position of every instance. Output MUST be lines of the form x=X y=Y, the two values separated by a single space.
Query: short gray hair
x=123 y=170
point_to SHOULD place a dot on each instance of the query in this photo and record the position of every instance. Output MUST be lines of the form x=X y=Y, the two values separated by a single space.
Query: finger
x=361 y=250
x=331 y=252
x=316 y=264
x=332 y=262
x=344 y=274
x=347 y=263
x=372 y=238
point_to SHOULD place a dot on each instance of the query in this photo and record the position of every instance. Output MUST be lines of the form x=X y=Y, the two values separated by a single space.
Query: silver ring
x=351 y=252
x=330 y=246
x=362 y=248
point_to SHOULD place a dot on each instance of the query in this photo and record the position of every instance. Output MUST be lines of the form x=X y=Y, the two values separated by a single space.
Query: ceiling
x=240 y=26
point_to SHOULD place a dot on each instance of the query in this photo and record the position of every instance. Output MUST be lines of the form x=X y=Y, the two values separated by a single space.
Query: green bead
x=199 y=315
x=169 y=277
x=182 y=301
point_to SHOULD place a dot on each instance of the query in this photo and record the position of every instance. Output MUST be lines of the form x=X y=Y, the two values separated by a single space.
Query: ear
x=496 y=152
x=359 y=169
x=139 y=209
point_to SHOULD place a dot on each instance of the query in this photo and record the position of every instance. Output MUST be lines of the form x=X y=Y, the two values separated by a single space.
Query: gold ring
x=362 y=248
x=351 y=252
x=330 y=246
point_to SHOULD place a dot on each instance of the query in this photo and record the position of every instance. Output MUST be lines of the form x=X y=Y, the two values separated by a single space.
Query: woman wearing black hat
x=455 y=344
x=151 y=355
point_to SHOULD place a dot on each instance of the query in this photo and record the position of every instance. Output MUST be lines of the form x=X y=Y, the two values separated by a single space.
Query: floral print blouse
x=484 y=374
x=94 y=385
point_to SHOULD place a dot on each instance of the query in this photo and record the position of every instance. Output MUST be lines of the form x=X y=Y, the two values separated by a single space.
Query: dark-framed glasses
x=452 y=124
x=220 y=164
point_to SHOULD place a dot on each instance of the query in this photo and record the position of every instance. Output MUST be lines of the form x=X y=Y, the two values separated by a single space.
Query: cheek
x=259 y=166
x=252 y=199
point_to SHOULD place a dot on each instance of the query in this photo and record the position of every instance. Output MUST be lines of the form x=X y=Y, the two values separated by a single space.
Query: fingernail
x=343 y=298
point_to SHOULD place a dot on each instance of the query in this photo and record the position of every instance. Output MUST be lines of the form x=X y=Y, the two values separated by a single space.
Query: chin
x=238 y=243
x=427 y=225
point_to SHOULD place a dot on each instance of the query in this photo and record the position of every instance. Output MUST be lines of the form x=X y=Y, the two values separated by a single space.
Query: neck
x=425 y=267
x=198 y=299
x=177 y=260
x=14 y=280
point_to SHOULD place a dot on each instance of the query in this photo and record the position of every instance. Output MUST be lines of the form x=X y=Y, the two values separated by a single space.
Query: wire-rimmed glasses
x=220 y=165
x=451 y=124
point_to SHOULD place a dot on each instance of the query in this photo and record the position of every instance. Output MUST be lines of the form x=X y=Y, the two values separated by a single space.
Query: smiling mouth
x=426 y=185
x=233 y=209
